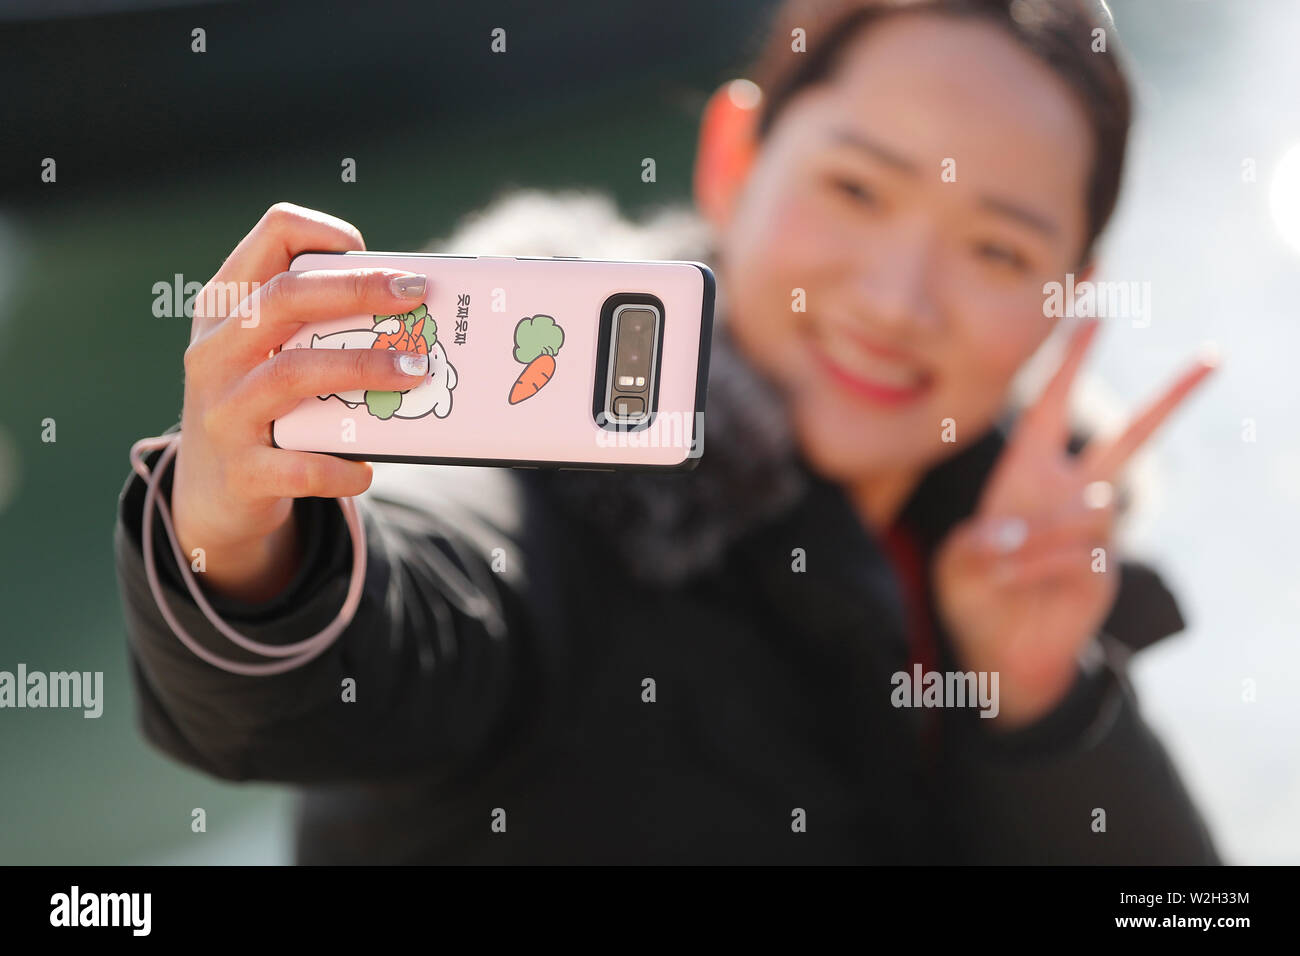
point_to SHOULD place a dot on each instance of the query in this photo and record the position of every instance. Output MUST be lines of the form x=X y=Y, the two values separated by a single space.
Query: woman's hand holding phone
x=232 y=491
x=1021 y=584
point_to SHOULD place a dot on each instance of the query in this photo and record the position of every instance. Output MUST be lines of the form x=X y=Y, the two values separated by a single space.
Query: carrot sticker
x=537 y=342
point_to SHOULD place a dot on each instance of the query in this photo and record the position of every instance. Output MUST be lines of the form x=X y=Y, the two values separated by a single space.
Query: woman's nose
x=895 y=280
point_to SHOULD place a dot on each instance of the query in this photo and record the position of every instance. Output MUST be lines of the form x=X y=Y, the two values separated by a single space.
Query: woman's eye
x=999 y=254
x=856 y=191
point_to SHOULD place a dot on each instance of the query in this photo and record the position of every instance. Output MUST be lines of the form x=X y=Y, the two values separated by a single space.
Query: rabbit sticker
x=415 y=331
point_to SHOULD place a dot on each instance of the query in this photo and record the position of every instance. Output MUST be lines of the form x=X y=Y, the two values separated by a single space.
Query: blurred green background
x=79 y=342
x=167 y=158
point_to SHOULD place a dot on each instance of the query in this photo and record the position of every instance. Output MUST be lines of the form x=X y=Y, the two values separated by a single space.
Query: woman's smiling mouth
x=867 y=372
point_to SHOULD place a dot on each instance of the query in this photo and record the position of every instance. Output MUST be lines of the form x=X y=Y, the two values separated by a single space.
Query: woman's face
x=923 y=296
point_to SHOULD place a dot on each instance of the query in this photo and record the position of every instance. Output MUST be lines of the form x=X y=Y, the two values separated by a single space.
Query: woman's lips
x=869 y=375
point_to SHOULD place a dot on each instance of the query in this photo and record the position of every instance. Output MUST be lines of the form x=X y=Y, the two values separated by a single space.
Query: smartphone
x=534 y=362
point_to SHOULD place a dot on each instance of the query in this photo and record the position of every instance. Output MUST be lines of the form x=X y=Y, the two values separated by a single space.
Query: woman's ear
x=726 y=149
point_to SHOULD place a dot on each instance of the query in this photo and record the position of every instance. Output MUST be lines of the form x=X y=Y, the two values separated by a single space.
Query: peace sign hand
x=1020 y=585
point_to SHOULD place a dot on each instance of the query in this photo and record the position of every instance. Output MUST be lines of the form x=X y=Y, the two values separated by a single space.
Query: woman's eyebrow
x=846 y=137
x=1028 y=217
x=1002 y=207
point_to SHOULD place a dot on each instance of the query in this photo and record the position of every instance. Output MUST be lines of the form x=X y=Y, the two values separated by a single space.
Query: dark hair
x=1058 y=32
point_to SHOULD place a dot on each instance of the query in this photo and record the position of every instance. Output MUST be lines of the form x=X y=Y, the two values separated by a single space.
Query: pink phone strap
x=295 y=654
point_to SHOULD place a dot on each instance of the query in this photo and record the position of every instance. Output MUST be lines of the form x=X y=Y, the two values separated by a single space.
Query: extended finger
x=984 y=546
x=291 y=299
x=1006 y=536
x=284 y=231
x=279 y=384
x=1048 y=419
x=1046 y=564
x=1102 y=460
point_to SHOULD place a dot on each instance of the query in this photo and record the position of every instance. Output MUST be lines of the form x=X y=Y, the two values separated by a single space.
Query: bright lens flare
x=1284 y=198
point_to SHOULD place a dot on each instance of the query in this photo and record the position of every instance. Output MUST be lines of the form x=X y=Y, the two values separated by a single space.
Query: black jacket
x=522 y=689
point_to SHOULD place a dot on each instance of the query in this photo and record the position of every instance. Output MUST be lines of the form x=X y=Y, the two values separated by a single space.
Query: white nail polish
x=412 y=363
x=1098 y=494
x=1006 y=534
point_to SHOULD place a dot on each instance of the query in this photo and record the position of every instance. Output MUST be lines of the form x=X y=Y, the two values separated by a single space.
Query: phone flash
x=626 y=380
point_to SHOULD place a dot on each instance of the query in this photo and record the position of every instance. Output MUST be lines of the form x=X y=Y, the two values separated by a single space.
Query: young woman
x=705 y=667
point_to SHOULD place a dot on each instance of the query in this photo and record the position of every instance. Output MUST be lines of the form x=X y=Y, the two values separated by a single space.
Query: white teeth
x=874 y=368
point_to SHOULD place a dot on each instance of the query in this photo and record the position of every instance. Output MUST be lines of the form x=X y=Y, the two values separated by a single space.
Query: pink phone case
x=519 y=359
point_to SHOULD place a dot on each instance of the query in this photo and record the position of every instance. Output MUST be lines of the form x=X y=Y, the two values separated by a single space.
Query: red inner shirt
x=911 y=565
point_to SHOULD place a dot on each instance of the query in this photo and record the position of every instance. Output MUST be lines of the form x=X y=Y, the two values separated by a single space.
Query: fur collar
x=667 y=527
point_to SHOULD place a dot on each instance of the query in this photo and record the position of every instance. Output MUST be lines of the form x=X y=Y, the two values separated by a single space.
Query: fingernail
x=1098 y=494
x=408 y=286
x=412 y=363
x=1004 y=535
